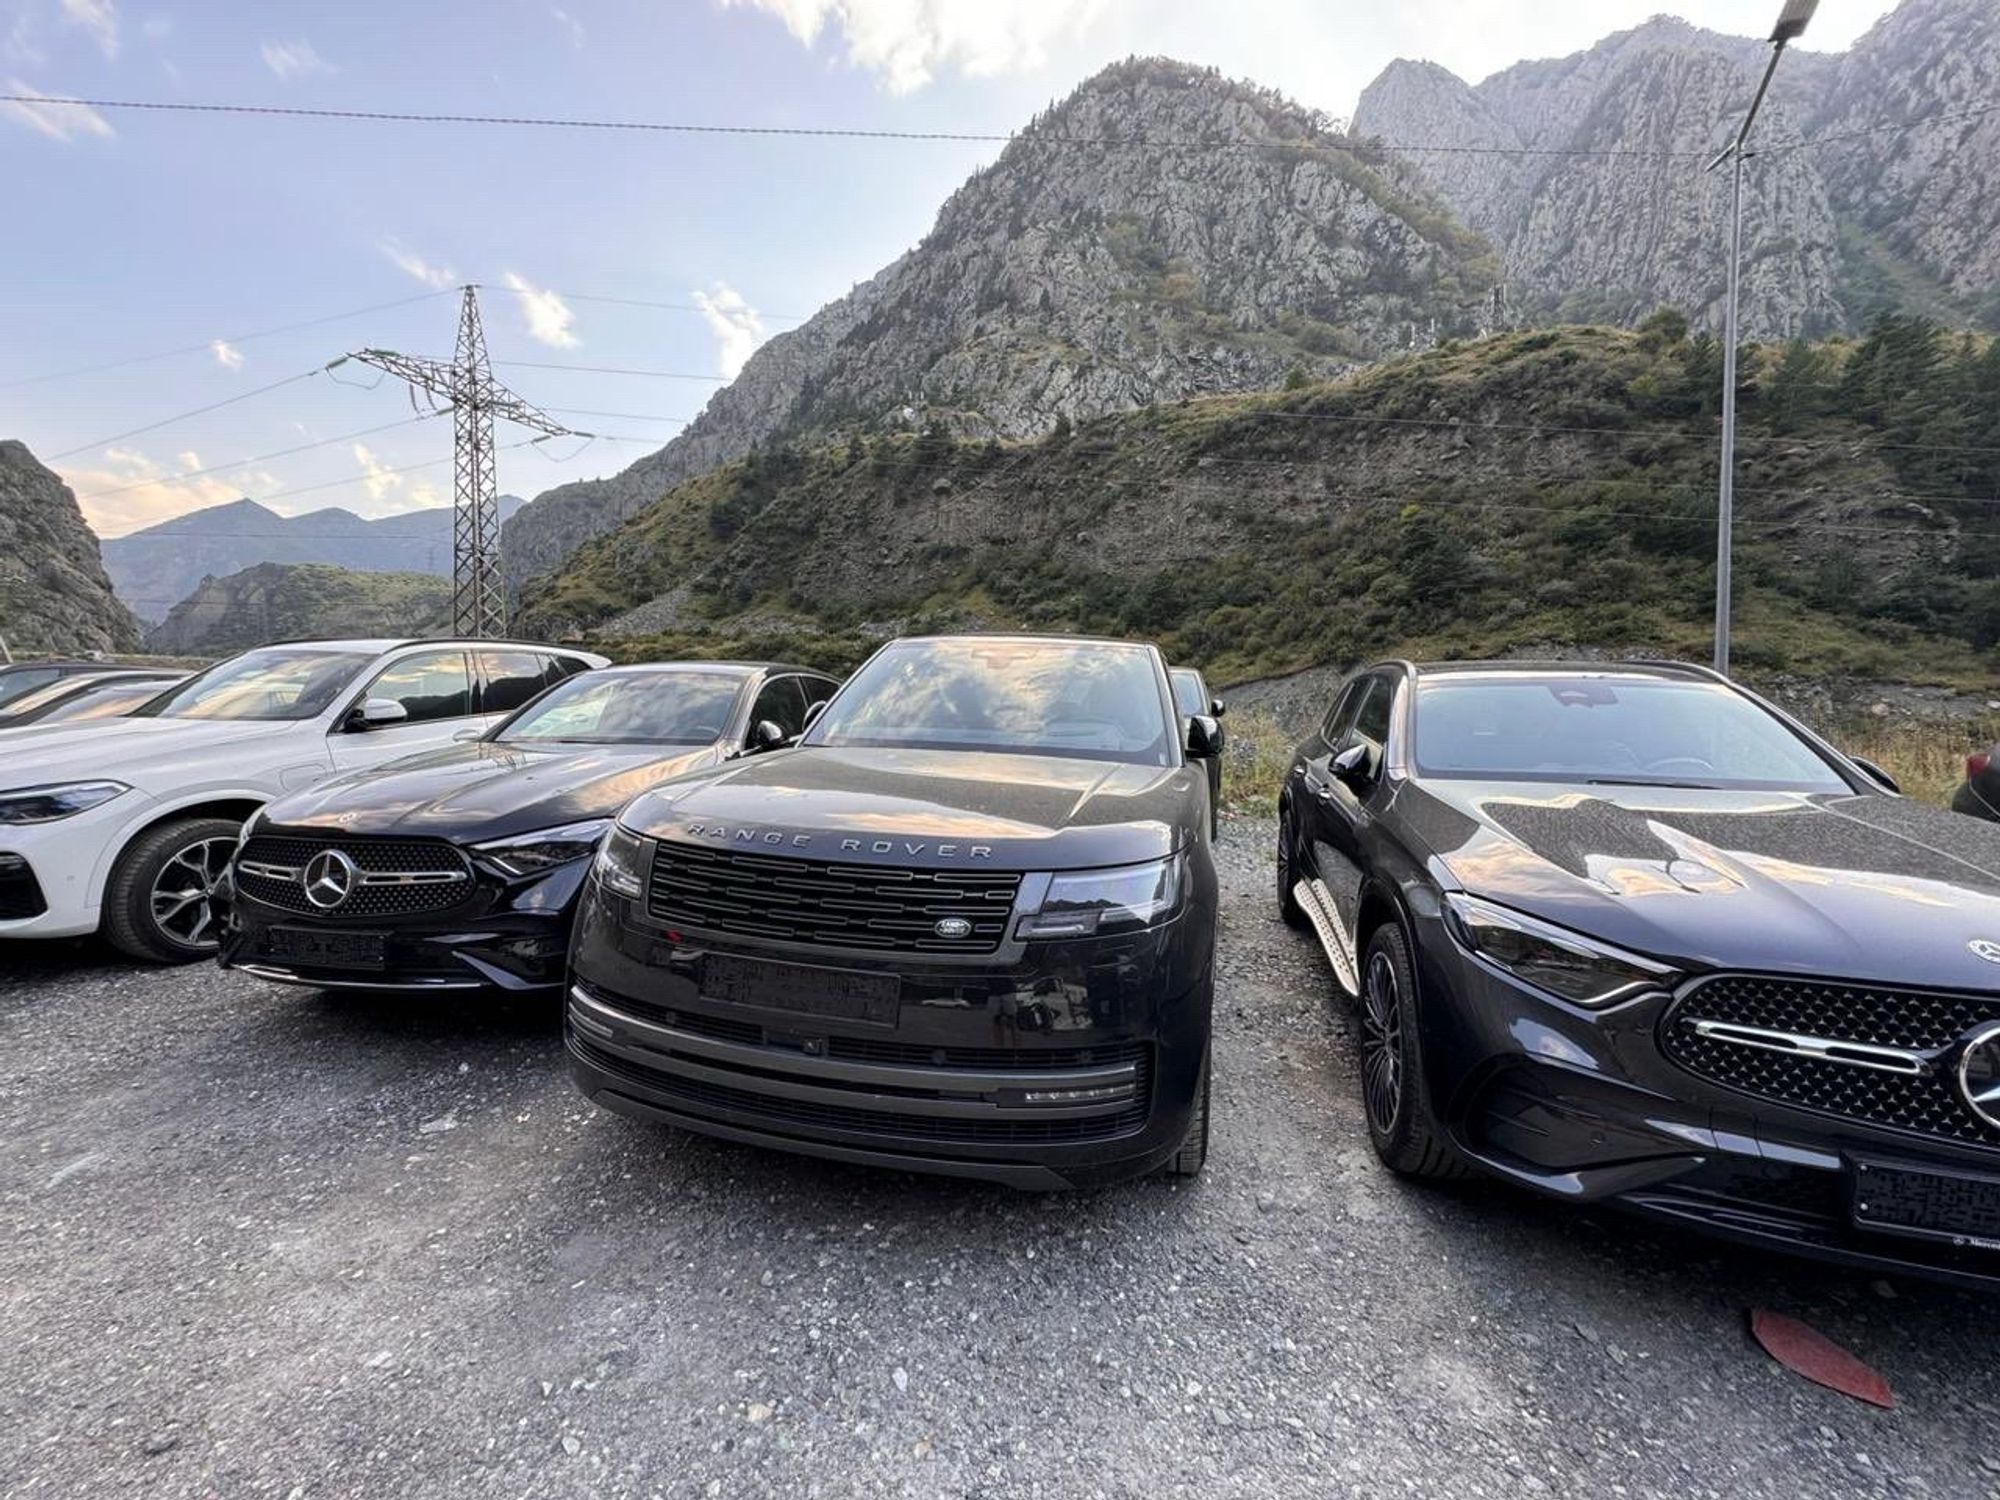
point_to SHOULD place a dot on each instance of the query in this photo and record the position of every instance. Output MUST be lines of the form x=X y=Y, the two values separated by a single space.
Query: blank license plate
x=1962 y=1207
x=333 y=950
x=838 y=994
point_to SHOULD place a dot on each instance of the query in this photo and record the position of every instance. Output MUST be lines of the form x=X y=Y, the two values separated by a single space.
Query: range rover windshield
x=1093 y=700
x=1606 y=731
x=628 y=708
x=280 y=683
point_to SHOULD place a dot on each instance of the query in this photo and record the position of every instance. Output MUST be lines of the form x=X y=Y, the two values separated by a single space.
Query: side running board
x=1317 y=903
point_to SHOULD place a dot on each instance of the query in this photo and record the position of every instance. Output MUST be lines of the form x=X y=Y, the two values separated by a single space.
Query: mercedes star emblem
x=1985 y=948
x=330 y=878
x=1979 y=1073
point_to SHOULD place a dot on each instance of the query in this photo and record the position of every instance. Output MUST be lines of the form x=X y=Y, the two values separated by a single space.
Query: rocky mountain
x=1162 y=233
x=285 y=601
x=156 y=568
x=1545 y=486
x=1883 y=213
x=54 y=595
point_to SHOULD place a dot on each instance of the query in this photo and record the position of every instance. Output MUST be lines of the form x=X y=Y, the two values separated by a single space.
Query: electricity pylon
x=467 y=386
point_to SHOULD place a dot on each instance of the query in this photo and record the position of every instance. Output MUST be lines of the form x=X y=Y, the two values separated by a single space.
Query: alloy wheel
x=1382 y=1045
x=181 y=897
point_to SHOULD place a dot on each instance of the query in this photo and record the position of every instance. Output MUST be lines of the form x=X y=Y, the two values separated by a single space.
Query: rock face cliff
x=1162 y=233
x=287 y=601
x=1898 y=204
x=54 y=595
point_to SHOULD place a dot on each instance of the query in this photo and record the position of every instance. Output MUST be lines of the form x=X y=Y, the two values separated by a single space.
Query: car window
x=783 y=701
x=274 y=683
x=1334 y=726
x=431 y=685
x=818 y=690
x=1190 y=695
x=105 y=702
x=510 y=678
x=561 y=666
x=629 y=708
x=14 y=684
x=1371 y=720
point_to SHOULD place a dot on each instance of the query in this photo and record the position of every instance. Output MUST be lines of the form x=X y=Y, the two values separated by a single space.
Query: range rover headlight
x=545 y=849
x=1566 y=964
x=1092 y=903
x=46 y=804
x=622 y=861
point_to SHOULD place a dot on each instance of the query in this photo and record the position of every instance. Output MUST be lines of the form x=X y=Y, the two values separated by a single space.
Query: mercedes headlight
x=622 y=862
x=1093 y=903
x=1566 y=964
x=46 y=804
x=546 y=848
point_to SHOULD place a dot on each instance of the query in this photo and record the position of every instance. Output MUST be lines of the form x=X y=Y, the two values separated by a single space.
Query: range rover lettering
x=1631 y=934
x=965 y=925
x=458 y=869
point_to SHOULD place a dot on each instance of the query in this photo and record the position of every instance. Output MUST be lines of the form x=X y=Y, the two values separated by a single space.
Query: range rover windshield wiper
x=1688 y=786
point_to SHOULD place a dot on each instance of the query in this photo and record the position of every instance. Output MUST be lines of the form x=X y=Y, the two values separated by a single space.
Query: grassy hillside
x=287 y=601
x=1552 y=488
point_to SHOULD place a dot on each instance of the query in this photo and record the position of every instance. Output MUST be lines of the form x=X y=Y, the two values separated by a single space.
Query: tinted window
x=103 y=702
x=1371 y=722
x=783 y=701
x=277 y=683
x=14 y=684
x=1582 y=728
x=1334 y=726
x=510 y=678
x=432 y=685
x=1190 y=696
x=630 y=708
x=1098 y=700
x=818 y=690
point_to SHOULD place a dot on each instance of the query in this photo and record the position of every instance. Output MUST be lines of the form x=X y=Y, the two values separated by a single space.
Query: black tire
x=1402 y=1126
x=1288 y=904
x=1188 y=1161
x=156 y=905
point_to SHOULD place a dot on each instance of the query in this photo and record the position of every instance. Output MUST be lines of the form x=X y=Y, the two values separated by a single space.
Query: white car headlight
x=1091 y=903
x=545 y=848
x=1566 y=964
x=622 y=862
x=46 y=804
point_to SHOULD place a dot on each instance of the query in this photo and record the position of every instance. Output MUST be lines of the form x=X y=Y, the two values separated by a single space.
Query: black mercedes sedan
x=1629 y=933
x=458 y=868
x=965 y=926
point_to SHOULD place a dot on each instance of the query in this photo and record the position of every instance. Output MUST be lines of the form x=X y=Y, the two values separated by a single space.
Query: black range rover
x=965 y=926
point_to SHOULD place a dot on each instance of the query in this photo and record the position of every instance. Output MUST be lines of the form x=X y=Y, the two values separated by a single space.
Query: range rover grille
x=1926 y=1103
x=837 y=905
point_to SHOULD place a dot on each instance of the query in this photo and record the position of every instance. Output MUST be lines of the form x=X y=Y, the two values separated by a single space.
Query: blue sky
x=133 y=233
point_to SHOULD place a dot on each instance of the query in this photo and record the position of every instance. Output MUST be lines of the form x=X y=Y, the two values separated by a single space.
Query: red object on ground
x=1806 y=1352
x=1977 y=762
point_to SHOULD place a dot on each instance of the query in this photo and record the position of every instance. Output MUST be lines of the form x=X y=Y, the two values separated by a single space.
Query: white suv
x=125 y=825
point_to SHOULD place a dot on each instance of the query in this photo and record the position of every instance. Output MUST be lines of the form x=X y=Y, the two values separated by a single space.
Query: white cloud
x=413 y=264
x=226 y=354
x=907 y=41
x=375 y=477
x=547 y=314
x=291 y=60
x=97 y=18
x=146 y=492
x=737 y=328
x=570 y=24
x=59 y=122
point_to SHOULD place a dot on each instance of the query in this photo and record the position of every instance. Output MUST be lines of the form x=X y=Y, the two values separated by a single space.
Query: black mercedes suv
x=1629 y=933
x=965 y=926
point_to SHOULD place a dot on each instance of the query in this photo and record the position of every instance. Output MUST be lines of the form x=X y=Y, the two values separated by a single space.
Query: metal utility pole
x=1792 y=22
x=467 y=386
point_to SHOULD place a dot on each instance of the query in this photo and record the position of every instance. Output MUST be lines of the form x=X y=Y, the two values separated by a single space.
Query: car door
x=435 y=688
x=1317 y=801
x=1349 y=803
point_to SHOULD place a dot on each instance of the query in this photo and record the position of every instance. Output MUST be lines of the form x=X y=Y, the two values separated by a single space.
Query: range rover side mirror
x=1887 y=782
x=1204 y=736
x=377 y=713
x=765 y=735
x=1355 y=765
x=1217 y=708
x=813 y=711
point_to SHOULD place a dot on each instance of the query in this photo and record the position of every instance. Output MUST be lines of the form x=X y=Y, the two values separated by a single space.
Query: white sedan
x=126 y=826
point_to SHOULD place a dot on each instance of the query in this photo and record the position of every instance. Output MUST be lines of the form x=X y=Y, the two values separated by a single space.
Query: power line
x=235 y=338
x=670 y=306
x=184 y=416
x=345 y=437
x=529 y=364
x=622 y=416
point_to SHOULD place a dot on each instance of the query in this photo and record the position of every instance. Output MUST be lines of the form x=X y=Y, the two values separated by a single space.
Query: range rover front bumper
x=1046 y=1065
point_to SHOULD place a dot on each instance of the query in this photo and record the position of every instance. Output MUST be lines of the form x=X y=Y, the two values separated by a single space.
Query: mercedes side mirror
x=765 y=735
x=813 y=712
x=1204 y=736
x=377 y=713
x=1883 y=778
x=1355 y=765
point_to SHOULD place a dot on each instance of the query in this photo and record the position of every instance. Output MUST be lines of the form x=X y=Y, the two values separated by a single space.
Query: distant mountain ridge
x=157 y=568
x=1066 y=283
x=287 y=601
x=54 y=595
x=1898 y=209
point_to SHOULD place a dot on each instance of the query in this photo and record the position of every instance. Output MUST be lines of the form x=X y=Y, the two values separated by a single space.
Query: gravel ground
x=261 y=1242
